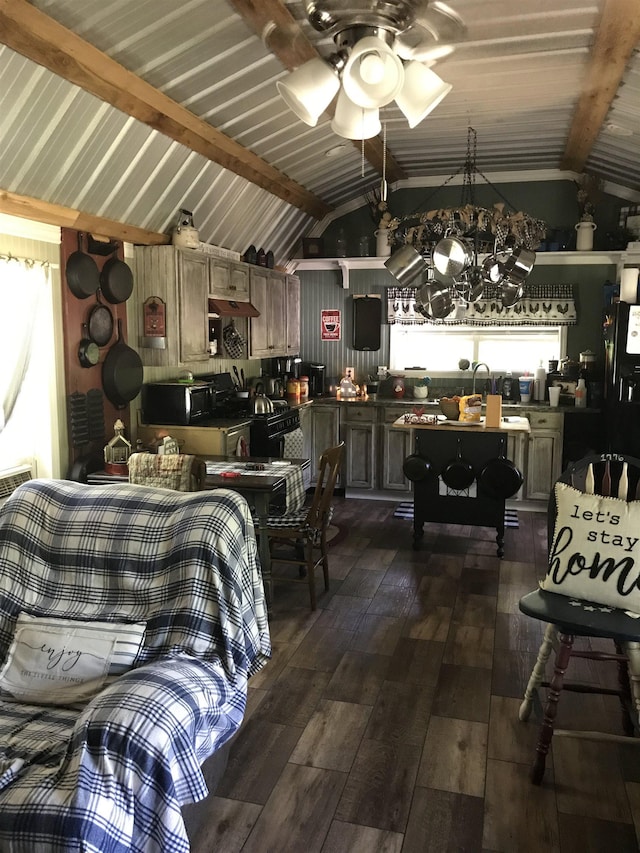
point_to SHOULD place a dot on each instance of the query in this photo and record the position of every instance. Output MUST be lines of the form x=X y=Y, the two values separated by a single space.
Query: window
x=503 y=348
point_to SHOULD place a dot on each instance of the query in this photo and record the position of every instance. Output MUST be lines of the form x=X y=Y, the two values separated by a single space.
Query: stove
x=267 y=431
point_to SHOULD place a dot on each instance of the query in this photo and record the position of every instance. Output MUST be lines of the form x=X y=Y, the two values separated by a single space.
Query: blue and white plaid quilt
x=112 y=777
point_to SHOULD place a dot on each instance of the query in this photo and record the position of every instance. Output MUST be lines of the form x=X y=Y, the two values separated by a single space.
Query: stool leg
x=551 y=709
x=633 y=656
x=537 y=674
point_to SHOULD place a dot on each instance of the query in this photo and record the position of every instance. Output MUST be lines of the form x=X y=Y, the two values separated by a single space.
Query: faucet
x=475 y=369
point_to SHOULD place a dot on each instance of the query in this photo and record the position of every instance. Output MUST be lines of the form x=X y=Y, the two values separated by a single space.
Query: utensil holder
x=493 y=412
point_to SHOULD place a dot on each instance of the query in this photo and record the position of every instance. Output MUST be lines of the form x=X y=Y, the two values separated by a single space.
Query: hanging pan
x=116 y=280
x=458 y=474
x=500 y=478
x=417 y=468
x=122 y=372
x=88 y=352
x=100 y=323
x=82 y=272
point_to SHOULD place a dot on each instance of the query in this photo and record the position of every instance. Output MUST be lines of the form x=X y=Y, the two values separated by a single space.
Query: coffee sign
x=595 y=554
x=330 y=324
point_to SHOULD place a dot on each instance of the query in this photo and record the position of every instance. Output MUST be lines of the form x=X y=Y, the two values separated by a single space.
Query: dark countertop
x=405 y=403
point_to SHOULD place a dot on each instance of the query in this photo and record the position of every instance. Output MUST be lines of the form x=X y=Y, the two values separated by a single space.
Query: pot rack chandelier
x=385 y=51
x=444 y=245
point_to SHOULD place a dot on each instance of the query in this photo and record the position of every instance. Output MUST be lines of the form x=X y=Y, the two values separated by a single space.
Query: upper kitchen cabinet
x=171 y=294
x=277 y=297
x=228 y=280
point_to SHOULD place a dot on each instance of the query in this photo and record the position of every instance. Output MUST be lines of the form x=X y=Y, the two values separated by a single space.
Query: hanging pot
x=82 y=272
x=88 y=351
x=405 y=265
x=116 y=280
x=491 y=273
x=122 y=372
x=100 y=323
x=510 y=291
x=500 y=478
x=458 y=474
x=518 y=264
x=436 y=300
x=470 y=285
x=451 y=256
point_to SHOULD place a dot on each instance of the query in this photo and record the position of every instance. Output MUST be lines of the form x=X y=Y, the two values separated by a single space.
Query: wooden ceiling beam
x=35 y=35
x=282 y=34
x=617 y=34
x=66 y=217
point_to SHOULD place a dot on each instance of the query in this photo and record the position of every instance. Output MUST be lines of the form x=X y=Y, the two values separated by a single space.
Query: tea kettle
x=261 y=405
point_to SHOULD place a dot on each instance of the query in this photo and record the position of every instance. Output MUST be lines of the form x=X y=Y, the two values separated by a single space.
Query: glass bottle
x=581 y=394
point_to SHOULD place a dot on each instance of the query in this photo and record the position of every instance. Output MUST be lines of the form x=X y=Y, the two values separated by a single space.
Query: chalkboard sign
x=367 y=318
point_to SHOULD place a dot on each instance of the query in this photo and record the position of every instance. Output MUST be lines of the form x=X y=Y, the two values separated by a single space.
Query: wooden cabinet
x=277 y=330
x=544 y=462
x=306 y=414
x=228 y=280
x=325 y=433
x=359 y=428
x=201 y=441
x=193 y=296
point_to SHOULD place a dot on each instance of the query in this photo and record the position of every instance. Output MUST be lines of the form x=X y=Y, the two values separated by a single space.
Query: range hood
x=231 y=308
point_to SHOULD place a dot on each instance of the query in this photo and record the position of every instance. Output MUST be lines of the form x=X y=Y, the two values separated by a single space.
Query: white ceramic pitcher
x=584 y=237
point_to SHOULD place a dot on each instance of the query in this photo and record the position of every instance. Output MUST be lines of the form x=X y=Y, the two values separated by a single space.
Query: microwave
x=177 y=402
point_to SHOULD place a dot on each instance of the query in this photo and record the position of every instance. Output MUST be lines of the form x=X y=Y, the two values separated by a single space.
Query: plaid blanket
x=294 y=483
x=112 y=777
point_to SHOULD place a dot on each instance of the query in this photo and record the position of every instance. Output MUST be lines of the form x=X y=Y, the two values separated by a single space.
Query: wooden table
x=439 y=442
x=259 y=489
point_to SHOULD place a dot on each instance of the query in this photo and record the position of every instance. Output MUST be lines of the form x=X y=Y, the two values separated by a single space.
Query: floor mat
x=405 y=510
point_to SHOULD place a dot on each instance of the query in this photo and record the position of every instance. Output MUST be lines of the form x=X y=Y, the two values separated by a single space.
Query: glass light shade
x=422 y=92
x=354 y=122
x=309 y=90
x=370 y=59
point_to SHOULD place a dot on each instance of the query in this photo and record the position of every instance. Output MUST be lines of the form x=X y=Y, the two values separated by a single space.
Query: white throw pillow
x=596 y=549
x=65 y=661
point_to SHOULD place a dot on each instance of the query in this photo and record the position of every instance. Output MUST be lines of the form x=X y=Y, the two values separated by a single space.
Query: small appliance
x=316 y=374
x=622 y=377
x=180 y=403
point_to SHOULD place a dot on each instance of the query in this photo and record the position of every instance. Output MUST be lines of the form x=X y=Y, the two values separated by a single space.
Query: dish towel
x=293 y=445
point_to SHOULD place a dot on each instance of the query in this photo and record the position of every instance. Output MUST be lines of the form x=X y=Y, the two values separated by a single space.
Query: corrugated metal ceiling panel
x=516 y=81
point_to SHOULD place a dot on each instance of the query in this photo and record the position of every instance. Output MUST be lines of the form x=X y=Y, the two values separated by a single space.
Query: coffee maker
x=316 y=373
x=285 y=367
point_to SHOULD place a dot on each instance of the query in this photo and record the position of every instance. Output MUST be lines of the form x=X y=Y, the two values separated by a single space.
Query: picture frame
x=312 y=247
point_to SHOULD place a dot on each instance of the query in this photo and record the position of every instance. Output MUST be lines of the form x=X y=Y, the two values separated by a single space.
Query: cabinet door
x=306 y=415
x=277 y=313
x=360 y=453
x=219 y=276
x=293 y=315
x=239 y=282
x=544 y=463
x=193 y=291
x=325 y=433
x=396 y=446
x=259 y=326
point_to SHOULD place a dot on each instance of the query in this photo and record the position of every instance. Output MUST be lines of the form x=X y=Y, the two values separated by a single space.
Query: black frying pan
x=458 y=474
x=116 y=280
x=500 y=478
x=121 y=372
x=88 y=352
x=417 y=468
x=100 y=323
x=83 y=277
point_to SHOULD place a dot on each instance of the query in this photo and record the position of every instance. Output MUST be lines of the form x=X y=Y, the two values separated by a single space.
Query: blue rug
x=405 y=510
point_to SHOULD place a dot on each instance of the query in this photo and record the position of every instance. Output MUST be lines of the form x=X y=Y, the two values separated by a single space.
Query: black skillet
x=417 y=468
x=500 y=478
x=88 y=352
x=100 y=323
x=83 y=277
x=121 y=372
x=116 y=280
x=458 y=474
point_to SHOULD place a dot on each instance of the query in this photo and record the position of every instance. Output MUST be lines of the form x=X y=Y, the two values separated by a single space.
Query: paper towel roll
x=629 y=285
x=540 y=384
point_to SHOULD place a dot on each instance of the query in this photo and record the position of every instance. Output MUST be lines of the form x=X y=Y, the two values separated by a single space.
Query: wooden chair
x=304 y=534
x=179 y=471
x=612 y=475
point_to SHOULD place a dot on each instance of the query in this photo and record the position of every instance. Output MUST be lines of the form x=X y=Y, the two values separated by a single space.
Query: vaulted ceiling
x=116 y=114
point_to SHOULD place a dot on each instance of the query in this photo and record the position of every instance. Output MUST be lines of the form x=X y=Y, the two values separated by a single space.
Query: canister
x=304 y=387
x=293 y=388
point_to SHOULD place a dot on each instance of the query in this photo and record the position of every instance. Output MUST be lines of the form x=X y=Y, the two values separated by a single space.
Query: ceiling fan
x=384 y=53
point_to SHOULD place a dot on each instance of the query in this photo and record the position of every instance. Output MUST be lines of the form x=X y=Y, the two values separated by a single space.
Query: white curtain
x=23 y=284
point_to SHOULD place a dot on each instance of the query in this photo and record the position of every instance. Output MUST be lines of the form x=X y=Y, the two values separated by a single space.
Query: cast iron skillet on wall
x=116 y=280
x=500 y=478
x=83 y=277
x=100 y=323
x=122 y=372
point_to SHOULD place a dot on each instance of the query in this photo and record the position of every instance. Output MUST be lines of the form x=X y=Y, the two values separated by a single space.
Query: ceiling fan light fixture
x=309 y=89
x=373 y=74
x=354 y=122
x=421 y=93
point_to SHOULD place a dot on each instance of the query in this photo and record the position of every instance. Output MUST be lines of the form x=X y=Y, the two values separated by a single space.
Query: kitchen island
x=461 y=474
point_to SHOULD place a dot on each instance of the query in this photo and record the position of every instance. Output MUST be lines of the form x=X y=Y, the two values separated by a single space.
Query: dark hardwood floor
x=387 y=721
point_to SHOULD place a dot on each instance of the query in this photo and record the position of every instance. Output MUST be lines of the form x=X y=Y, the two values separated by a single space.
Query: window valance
x=541 y=305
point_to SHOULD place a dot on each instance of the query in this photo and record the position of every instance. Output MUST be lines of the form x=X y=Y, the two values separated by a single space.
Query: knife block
x=493 y=411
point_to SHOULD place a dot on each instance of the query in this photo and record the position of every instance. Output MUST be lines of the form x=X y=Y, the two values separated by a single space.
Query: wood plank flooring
x=387 y=721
